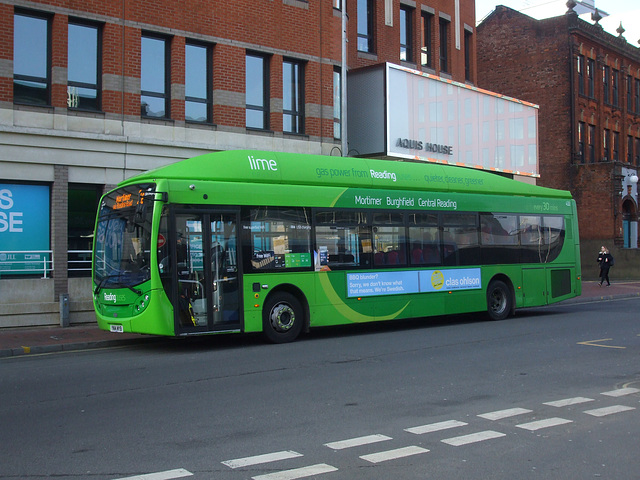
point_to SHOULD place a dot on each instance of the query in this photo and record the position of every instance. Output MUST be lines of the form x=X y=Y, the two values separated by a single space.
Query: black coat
x=605 y=260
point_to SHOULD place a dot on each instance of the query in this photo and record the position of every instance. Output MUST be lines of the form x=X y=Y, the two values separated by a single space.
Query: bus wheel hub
x=282 y=317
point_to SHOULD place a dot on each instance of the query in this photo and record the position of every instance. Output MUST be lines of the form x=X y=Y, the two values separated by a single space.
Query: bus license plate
x=117 y=328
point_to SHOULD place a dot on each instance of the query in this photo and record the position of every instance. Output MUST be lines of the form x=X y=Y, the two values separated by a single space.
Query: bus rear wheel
x=499 y=300
x=282 y=318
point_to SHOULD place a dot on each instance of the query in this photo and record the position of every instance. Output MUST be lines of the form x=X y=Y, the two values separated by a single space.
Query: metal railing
x=79 y=261
x=31 y=262
x=26 y=262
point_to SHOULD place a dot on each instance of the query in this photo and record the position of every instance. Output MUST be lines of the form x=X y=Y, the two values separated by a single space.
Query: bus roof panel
x=303 y=169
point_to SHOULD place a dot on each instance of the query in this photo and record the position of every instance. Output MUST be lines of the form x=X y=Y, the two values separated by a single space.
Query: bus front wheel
x=499 y=300
x=282 y=318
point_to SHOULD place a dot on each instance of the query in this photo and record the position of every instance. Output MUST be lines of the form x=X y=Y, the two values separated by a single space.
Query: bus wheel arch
x=500 y=298
x=285 y=314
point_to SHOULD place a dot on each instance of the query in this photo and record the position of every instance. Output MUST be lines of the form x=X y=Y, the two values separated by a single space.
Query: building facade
x=94 y=92
x=587 y=84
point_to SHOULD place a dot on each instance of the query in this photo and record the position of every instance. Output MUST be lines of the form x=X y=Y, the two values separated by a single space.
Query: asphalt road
x=551 y=393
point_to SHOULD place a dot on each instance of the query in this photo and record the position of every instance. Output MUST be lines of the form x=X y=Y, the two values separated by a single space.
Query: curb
x=66 y=347
x=602 y=298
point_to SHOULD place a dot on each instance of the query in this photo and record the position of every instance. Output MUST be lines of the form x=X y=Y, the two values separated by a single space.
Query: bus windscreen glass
x=123 y=238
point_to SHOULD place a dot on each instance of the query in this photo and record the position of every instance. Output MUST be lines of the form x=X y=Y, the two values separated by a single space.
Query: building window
x=257 y=91
x=616 y=146
x=292 y=96
x=581 y=135
x=467 y=55
x=591 y=68
x=580 y=71
x=605 y=84
x=83 y=72
x=426 y=51
x=406 y=33
x=337 y=103
x=154 y=77
x=606 y=145
x=637 y=156
x=444 y=48
x=31 y=59
x=592 y=143
x=629 y=93
x=365 y=25
x=615 y=81
x=629 y=149
x=198 y=97
x=637 y=96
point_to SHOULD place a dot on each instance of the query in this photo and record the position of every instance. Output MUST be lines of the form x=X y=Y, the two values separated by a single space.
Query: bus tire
x=499 y=300
x=282 y=318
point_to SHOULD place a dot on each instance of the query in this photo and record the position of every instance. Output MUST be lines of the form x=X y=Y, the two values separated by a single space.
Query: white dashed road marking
x=356 y=442
x=549 y=422
x=408 y=451
x=500 y=414
x=603 y=412
x=620 y=392
x=473 y=438
x=394 y=454
x=568 y=401
x=303 y=472
x=258 y=459
x=168 y=475
x=435 y=427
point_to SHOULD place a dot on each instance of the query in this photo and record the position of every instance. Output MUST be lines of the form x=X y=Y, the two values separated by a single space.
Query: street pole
x=343 y=82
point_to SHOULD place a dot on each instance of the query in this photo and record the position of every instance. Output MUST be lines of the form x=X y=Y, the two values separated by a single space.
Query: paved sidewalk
x=38 y=340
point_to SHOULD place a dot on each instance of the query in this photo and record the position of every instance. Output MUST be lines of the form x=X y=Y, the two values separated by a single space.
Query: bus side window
x=280 y=238
x=343 y=239
x=389 y=237
x=499 y=235
x=461 y=245
x=424 y=238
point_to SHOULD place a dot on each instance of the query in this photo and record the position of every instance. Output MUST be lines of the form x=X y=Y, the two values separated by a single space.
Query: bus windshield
x=123 y=238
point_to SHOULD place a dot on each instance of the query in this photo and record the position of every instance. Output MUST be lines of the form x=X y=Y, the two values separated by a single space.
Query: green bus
x=254 y=241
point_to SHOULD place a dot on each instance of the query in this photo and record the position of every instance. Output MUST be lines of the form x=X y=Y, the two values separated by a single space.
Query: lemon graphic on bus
x=437 y=279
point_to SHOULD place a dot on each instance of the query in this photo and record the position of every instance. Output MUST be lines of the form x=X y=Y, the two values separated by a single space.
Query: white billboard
x=428 y=118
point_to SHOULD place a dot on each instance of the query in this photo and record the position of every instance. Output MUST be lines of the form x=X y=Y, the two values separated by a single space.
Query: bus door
x=207 y=297
x=224 y=271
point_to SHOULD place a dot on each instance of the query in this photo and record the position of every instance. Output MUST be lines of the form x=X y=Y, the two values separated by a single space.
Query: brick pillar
x=59 y=62
x=6 y=56
x=59 y=232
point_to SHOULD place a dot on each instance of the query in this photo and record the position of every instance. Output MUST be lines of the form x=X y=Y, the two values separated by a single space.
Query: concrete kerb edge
x=68 y=347
x=602 y=298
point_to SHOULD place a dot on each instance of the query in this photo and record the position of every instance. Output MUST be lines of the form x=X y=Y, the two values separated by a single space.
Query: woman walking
x=605 y=260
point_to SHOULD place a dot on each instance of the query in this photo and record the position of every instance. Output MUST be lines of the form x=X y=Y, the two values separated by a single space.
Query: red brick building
x=94 y=92
x=587 y=84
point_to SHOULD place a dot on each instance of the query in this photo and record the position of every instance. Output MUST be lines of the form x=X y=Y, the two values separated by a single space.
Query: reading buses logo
x=437 y=279
x=112 y=297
